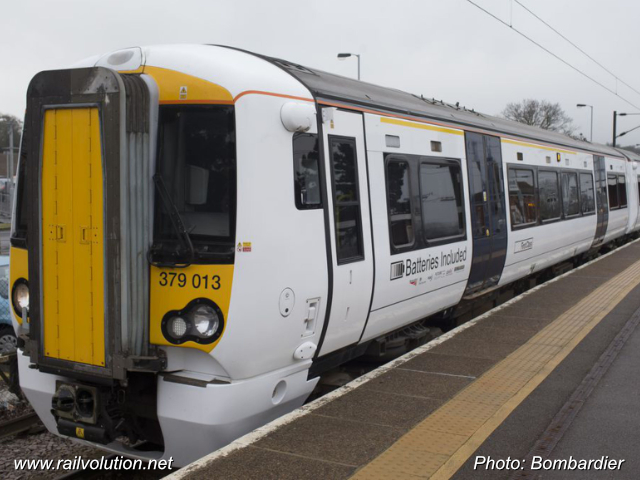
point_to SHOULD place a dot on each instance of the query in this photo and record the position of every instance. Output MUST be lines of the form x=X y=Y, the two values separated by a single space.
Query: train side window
x=612 y=184
x=442 y=205
x=306 y=171
x=550 y=204
x=399 y=204
x=587 y=194
x=346 y=200
x=622 y=191
x=570 y=195
x=522 y=197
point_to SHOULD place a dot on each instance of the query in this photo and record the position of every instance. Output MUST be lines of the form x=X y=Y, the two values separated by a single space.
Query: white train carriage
x=200 y=232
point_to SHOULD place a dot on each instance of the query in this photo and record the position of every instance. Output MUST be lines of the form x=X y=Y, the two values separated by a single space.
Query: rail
x=18 y=425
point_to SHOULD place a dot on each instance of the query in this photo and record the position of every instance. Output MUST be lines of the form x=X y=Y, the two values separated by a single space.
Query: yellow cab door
x=72 y=236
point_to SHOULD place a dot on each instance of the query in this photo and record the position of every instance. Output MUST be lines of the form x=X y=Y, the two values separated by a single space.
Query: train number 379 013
x=169 y=279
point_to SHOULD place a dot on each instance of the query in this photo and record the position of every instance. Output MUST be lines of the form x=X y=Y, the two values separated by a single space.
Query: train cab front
x=122 y=254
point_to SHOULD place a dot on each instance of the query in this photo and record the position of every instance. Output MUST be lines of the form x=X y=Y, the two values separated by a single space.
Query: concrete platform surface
x=488 y=388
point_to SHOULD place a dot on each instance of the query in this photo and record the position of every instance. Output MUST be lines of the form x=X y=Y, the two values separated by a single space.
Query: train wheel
x=8 y=340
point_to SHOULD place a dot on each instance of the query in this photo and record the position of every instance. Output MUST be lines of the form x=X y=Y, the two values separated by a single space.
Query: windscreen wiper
x=176 y=222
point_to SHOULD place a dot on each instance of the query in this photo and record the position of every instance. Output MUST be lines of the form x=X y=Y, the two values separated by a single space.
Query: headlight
x=177 y=327
x=205 y=320
x=201 y=321
x=20 y=296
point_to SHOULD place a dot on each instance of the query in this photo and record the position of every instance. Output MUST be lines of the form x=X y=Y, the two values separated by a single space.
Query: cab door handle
x=85 y=235
x=60 y=233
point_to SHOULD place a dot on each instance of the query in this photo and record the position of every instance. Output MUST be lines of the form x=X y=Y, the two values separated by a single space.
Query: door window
x=496 y=190
x=346 y=200
x=477 y=185
x=587 y=195
x=601 y=182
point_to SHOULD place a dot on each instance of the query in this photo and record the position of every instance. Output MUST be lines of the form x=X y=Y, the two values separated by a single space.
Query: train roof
x=634 y=157
x=336 y=88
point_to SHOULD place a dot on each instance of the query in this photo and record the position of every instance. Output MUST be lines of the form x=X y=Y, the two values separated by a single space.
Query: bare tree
x=6 y=122
x=540 y=113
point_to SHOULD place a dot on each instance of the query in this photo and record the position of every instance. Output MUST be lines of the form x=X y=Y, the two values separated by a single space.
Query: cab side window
x=306 y=171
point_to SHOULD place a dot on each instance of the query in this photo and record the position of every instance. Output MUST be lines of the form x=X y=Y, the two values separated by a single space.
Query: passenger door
x=350 y=229
x=488 y=213
x=602 y=199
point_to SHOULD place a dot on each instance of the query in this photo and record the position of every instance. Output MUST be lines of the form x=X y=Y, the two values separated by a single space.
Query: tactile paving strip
x=439 y=445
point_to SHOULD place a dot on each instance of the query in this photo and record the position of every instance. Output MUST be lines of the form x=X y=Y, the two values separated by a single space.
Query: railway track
x=18 y=425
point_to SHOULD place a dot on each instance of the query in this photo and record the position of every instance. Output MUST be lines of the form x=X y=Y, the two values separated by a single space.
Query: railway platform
x=544 y=385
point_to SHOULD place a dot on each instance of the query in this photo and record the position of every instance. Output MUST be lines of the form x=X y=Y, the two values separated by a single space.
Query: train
x=201 y=232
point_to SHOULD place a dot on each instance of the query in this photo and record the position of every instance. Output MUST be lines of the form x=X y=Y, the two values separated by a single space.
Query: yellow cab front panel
x=72 y=236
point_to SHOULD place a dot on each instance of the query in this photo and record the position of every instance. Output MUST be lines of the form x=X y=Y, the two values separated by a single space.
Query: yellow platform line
x=438 y=446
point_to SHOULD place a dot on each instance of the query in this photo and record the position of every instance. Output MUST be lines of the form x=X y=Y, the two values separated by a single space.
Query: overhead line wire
x=553 y=54
x=578 y=48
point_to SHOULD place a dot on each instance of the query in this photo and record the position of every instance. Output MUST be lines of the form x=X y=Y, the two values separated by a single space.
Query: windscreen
x=197 y=163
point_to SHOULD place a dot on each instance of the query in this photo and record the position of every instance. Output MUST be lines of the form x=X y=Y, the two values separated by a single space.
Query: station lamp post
x=591 y=107
x=615 y=121
x=342 y=56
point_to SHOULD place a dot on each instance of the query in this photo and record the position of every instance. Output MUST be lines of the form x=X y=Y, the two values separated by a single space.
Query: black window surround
x=560 y=172
x=420 y=240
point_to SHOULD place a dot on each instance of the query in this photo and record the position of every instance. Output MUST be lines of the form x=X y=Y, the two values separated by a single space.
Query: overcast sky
x=447 y=49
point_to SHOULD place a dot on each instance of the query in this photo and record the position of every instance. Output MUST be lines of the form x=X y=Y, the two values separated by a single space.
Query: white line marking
x=436 y=373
